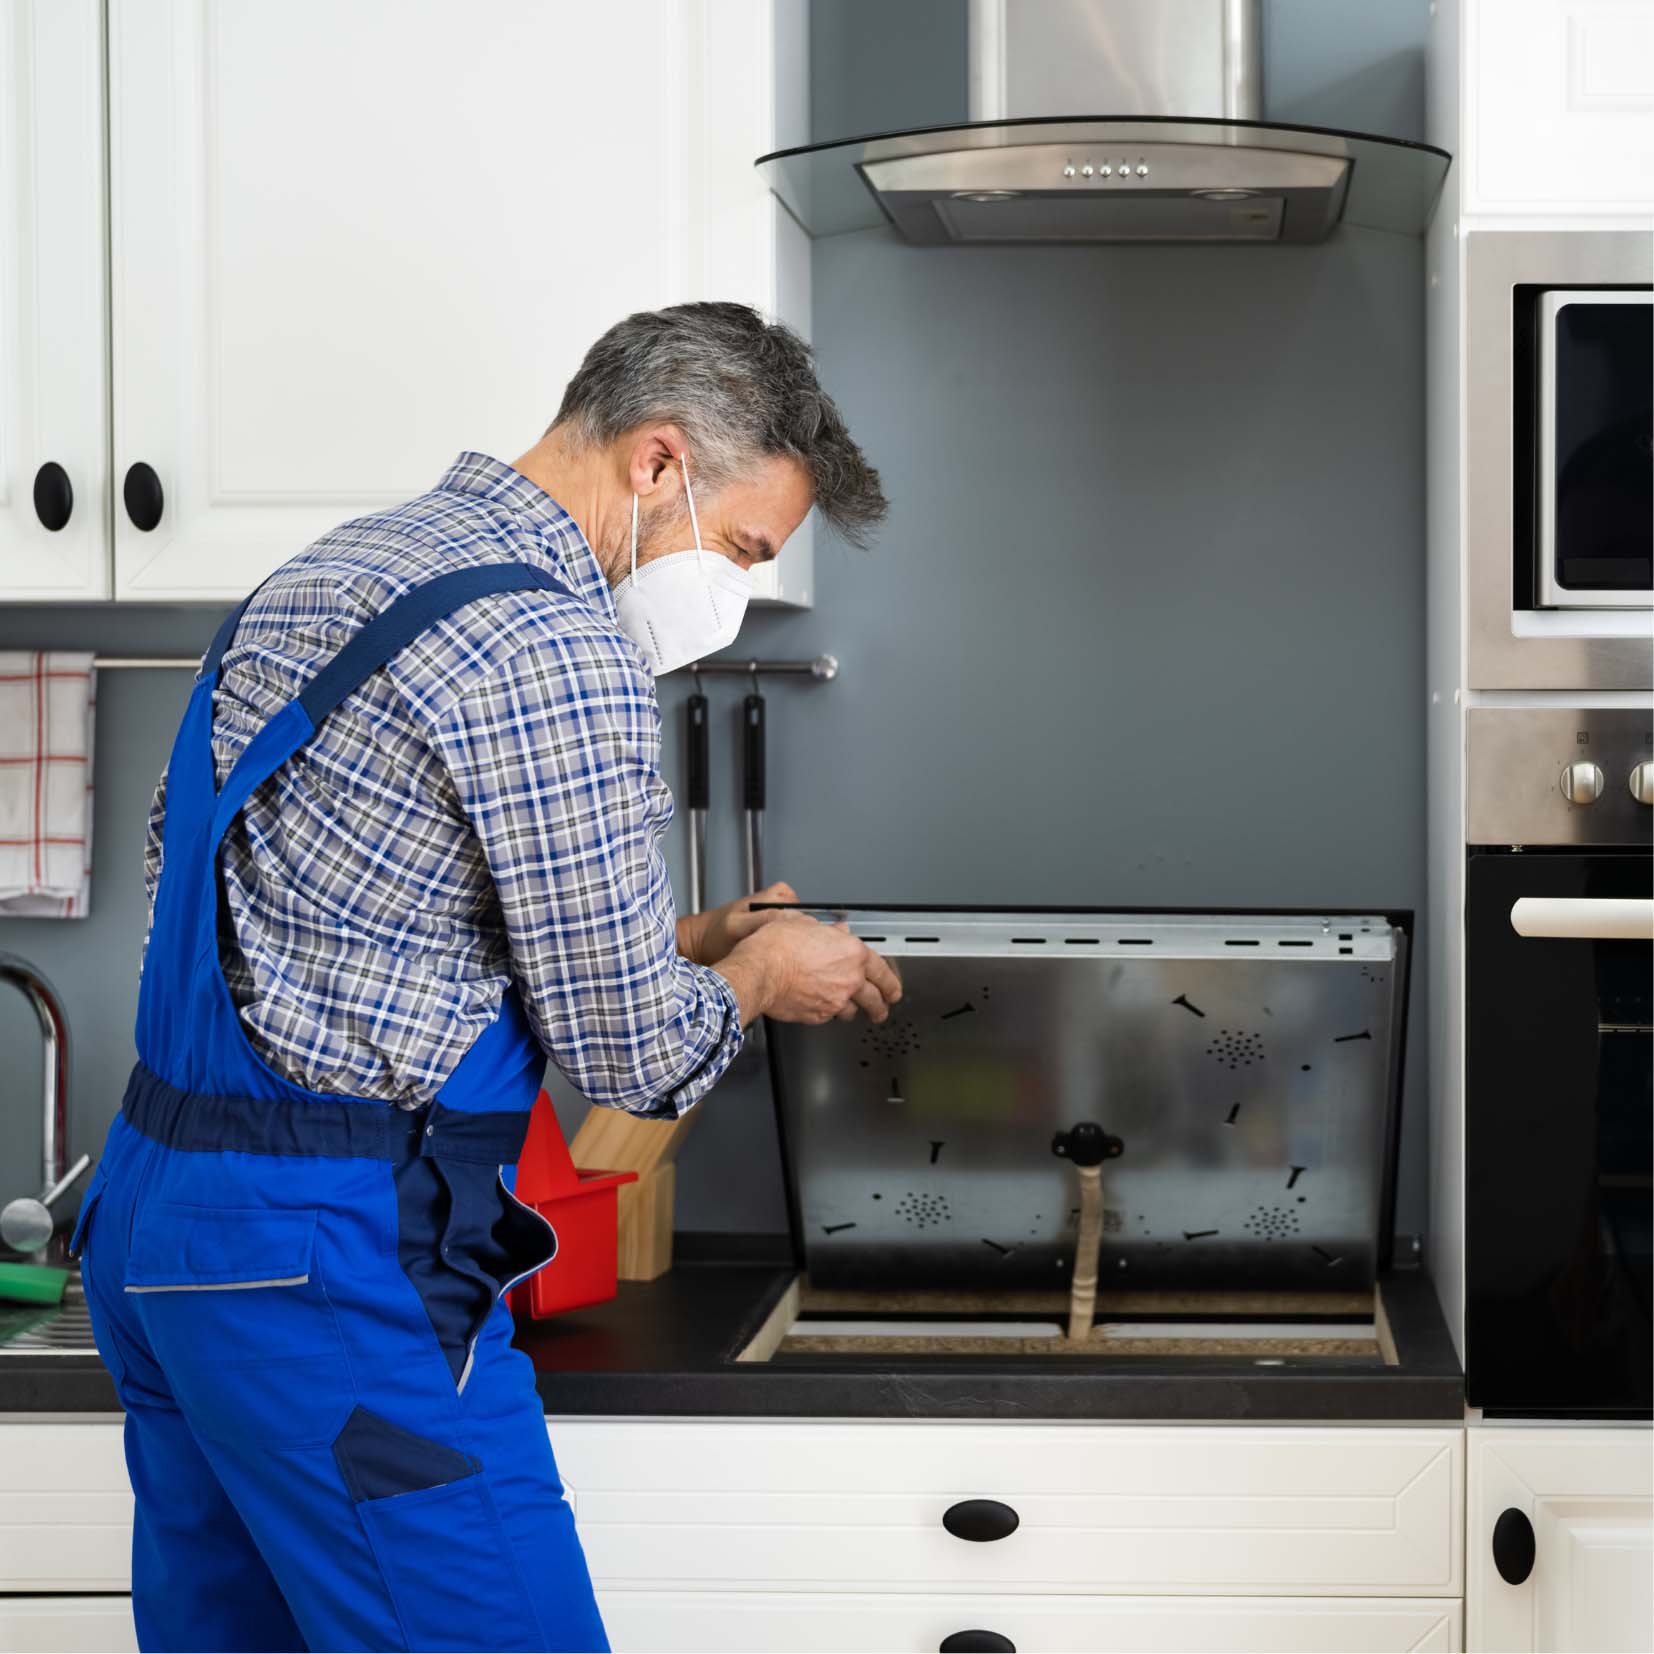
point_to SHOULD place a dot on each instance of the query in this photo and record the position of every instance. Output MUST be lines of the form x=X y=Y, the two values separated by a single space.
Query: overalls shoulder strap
x=188 y=1029
x=379 y=641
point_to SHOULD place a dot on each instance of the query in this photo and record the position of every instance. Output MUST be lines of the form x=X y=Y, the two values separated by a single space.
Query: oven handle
x=1588 y=919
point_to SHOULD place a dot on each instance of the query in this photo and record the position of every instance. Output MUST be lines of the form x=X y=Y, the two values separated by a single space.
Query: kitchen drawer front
x=65 y=1508
x=1221 y=1509
x=66 y=1625
x=730 y=1622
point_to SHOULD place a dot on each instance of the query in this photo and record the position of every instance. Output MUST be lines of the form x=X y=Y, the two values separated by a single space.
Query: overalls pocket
x=83 y=1218
x=379 y=1460
x=435 y=1531
x=463 y=1238
x=102 y=1336
x=241 y=1322
x=433 y=1547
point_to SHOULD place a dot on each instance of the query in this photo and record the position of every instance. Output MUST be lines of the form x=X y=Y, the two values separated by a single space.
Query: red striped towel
x=46 y=702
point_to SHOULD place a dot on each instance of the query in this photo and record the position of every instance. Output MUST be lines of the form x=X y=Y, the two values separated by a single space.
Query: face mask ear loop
x=694 y=521
x=634 y=536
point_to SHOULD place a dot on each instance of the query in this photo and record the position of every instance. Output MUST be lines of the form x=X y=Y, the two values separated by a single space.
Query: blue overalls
x=331 y=1441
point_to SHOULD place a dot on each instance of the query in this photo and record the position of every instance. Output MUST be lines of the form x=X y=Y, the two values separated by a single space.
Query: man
x=408 y=847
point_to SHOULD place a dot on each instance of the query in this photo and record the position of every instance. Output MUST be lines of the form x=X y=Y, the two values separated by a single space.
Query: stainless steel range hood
x=1178 y=154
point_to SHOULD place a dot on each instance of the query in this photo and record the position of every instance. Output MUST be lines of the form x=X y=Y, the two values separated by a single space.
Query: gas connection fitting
x=1086 y=1146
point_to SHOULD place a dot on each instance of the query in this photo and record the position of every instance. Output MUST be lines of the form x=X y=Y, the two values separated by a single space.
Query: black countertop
x=668 y=1347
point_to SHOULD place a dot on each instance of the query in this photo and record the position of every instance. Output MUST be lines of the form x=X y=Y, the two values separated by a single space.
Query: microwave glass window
x=1604 y=464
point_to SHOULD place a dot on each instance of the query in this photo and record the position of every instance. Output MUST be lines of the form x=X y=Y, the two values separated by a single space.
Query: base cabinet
x=66 y=1625
x=1093 y=1509
x=1580 y=1503
x=799 y=1534
x=757 y=1622
x=725 y=1622
x=65 y=1513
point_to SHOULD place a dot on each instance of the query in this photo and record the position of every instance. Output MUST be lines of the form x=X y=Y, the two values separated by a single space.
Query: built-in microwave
x=1593 y=460
x=1558 y=469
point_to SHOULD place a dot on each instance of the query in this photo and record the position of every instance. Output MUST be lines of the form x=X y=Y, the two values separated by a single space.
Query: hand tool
x=752 y=783
x=698 y=793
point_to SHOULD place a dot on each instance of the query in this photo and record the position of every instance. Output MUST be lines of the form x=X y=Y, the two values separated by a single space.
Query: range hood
x=1179 y=152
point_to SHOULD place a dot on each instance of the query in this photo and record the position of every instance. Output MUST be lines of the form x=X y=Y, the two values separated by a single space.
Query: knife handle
x=752 y=736
x=699 y=790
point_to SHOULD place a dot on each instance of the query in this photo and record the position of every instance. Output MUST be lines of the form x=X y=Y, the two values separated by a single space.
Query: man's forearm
x=745 y=971
x=689 y=937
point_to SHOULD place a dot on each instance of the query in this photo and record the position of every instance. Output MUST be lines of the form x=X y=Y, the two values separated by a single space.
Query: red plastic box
x=580 y=1206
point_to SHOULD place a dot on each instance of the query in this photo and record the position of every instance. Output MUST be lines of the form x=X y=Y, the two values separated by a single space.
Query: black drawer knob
x=980 y=1520
x=54 y=499
x=977 y=1642
x=1513 y=1546
x=143 y=496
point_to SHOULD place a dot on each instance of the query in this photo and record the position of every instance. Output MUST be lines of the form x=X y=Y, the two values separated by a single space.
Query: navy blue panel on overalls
x=331 y=1441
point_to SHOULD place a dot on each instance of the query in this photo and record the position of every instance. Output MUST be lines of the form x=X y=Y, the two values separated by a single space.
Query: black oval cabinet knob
x=143 y=496
x=980 y=1520
x=1513 y=1546
x=54 y=498
x=977 y=1642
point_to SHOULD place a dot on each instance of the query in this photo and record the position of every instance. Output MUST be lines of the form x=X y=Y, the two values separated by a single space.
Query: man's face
x=747 y=520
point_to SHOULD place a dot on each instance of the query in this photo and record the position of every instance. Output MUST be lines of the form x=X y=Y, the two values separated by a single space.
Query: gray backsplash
x=1145 y=626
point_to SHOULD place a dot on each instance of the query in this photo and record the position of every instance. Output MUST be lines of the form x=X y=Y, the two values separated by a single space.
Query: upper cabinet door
x=1559 y=107
x=54 y=497
x=353 y=237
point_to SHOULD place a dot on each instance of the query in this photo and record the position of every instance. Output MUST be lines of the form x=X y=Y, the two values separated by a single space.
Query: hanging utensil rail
x=823 y=668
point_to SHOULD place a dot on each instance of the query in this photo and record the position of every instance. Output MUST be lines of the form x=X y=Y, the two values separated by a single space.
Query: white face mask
x=683 y=606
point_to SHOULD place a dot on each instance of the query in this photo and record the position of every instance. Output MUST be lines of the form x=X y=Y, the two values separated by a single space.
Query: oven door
x=1595 y=461
x=1558 y=1153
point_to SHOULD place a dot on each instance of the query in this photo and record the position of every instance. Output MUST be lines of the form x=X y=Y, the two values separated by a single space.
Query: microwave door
x=1596 y=456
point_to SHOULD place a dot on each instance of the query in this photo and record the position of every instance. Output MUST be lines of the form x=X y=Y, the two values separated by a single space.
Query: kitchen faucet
x=26 y=1223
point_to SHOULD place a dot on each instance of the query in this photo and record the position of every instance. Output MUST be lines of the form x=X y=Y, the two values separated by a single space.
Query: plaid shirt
x=488 y=808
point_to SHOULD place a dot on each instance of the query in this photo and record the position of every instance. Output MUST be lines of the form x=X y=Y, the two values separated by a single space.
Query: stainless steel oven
x=1594 y=460
x=1558 y=362
x=1559 y=971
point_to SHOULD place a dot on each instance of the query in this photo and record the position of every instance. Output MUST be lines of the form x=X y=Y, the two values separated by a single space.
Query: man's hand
x=796 y=969
x=708 y=937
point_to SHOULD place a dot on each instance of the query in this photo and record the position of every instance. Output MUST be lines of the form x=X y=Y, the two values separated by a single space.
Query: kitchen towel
x=46 y=704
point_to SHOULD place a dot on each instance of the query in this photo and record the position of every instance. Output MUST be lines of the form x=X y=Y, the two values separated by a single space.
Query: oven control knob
x=1582 y=783
x=1642 y=783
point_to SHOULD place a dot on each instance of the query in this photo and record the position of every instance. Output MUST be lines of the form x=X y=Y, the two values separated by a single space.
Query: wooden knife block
x=621 y=1142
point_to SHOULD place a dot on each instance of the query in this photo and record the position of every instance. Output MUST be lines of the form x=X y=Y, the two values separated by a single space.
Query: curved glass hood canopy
x=1090 y=180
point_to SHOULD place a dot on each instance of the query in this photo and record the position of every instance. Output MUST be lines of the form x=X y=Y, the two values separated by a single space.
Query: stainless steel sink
x=49 y=1329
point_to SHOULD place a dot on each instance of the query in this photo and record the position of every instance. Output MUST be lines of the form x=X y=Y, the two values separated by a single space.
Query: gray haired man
x=447 y=870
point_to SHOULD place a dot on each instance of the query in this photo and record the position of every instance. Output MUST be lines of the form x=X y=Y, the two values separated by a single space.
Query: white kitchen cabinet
x=66 y=1625
x=736 y=1534
x=65 y=1508
x=53 y=341
x=1558 y=110
x=1588 y=1496
x=683 y=1505
x=724 y=1622
x=348 y=241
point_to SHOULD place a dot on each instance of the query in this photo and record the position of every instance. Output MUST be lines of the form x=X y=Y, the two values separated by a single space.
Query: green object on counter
x=32 y=1283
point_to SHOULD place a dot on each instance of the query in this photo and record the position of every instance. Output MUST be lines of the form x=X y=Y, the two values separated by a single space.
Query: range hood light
x=985 y=195
x=1226 y=195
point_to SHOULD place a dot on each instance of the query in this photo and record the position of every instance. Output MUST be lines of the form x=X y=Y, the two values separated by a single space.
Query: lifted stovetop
x=1250 y=1064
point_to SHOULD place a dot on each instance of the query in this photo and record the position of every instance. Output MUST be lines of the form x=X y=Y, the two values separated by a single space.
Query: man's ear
x=653 y=458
